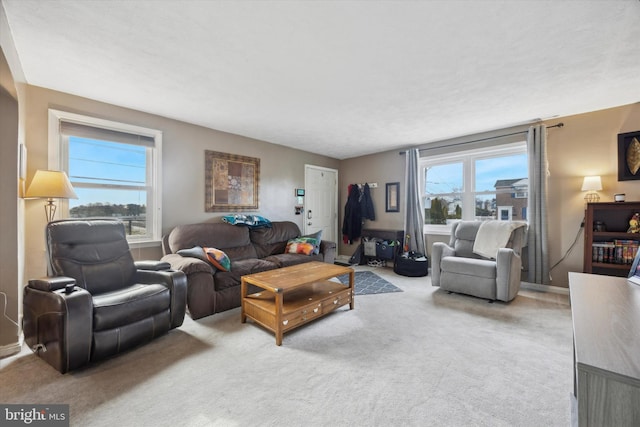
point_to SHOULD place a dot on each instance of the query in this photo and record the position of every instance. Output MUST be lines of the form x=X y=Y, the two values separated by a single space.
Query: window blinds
x=103 y=134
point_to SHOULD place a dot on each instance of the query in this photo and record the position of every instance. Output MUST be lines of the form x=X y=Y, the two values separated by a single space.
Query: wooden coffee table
x=295 y=295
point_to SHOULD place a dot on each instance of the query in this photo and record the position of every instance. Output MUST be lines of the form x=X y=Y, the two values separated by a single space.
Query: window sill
x=437 y=231
x=441 y=230
x=135 y=244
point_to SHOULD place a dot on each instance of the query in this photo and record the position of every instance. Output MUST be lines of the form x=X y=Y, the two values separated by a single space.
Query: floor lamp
x=47 y=184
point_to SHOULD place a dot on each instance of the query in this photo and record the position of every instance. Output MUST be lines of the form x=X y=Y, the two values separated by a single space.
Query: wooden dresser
x=606 y=337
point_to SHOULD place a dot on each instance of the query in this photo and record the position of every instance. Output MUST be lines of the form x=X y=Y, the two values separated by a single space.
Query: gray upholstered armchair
x=489 y=268
x=96 y=301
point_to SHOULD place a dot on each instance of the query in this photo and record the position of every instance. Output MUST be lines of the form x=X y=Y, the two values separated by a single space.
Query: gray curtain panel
x=414 y=216
x=537 y=210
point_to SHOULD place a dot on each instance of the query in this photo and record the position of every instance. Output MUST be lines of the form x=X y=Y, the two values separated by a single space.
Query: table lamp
x=592 y=184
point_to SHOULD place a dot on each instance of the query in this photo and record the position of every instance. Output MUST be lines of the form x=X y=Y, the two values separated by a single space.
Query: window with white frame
x=114 y=169
x=479 y=184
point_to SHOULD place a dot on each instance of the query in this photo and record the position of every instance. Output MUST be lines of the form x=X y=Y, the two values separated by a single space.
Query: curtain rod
x=557 y=125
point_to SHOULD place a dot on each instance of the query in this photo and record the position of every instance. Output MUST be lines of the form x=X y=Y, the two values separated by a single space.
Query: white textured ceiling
x=340 y=78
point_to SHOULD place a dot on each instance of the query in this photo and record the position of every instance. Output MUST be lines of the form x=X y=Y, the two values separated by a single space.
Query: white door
x=321 y=201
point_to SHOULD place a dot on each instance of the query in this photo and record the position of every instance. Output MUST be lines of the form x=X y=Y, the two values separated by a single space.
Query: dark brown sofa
x=250 y=250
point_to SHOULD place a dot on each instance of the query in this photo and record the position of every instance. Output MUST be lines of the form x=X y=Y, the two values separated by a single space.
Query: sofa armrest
x=176 y=281
x=152 y=265
x=439 y=250
x=188 y=265
x=52 y=283
x=508 y=270
x=328 y=251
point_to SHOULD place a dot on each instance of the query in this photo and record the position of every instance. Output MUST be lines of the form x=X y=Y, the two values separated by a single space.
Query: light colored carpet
x=421 y=357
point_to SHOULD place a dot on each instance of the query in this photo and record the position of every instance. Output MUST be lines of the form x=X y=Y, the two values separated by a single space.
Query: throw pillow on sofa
x=218 y=258
x=318 y=236
x=301 y=245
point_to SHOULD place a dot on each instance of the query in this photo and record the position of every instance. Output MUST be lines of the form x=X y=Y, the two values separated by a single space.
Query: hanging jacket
x=366 y=204
x=352 y=222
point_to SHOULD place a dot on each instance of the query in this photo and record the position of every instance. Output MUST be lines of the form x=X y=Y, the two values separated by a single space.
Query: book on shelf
x=618 y=251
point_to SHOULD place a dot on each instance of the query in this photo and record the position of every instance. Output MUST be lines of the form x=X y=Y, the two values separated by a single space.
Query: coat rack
x=371 y=184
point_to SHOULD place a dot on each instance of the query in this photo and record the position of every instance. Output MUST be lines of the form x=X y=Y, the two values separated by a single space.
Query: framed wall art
x=629 y=156
x=392 y=197
x=232 y=182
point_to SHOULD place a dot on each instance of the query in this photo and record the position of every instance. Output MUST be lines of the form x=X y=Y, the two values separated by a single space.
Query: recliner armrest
x=152 y=265
x=508 y=269
x=51 y=283
x=176 y=281
x=58 y=326
x=439 y=250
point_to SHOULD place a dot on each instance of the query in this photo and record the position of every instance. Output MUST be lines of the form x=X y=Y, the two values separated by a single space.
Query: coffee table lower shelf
x=299 y=306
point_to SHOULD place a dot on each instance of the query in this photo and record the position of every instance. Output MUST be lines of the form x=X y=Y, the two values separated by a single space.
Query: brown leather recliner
x=97 y=301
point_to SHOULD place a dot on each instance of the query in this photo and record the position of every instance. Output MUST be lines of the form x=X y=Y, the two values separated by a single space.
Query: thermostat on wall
x=300 y=192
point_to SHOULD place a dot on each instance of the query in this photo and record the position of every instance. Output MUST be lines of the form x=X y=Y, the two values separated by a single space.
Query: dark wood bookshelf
x=615 y=216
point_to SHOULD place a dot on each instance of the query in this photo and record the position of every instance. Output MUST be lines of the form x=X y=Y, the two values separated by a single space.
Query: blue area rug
x=368 y=282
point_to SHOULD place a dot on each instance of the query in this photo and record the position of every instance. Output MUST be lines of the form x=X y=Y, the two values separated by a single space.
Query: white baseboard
x=545 y=288
x=11 y=349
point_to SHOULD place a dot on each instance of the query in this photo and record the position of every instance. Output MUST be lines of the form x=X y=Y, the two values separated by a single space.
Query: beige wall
x=586 y=145
x=9 y=209
x=281 y=168
x=380 y=168
x=12 y=216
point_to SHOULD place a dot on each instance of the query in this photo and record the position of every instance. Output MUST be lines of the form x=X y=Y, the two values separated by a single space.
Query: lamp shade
x=51 y=185
x=592 y=183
